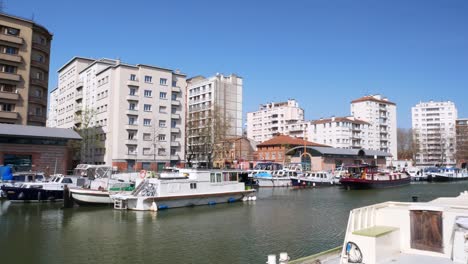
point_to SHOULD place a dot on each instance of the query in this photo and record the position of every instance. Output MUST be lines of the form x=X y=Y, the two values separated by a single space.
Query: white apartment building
x=380 y=113
x=339 y=132
x=434 y=132
x=134 y=113
x=52 y=115
x=273 y=118
x=210 y=100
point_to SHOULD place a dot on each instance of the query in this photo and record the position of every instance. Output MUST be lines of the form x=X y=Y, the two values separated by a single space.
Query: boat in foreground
x=187 y=187
x=434 y=232
x=366 y=176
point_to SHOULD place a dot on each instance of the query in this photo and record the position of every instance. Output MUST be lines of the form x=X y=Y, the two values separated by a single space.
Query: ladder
x=120 y=204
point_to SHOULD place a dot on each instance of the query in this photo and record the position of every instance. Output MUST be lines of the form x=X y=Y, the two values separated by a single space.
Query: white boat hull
x=159 y=203
x=90 y=197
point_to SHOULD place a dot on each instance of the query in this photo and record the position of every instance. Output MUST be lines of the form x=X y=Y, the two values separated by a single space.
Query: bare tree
x=91 y=135
x=405 y=146
x=461 y=153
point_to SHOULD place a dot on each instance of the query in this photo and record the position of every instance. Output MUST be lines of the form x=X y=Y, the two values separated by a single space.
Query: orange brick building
x=275 y=149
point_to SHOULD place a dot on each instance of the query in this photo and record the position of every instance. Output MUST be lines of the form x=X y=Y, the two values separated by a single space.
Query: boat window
x=39 y=177
x=294 y=173
x=36 y=186
x=193 y=185
x=232 y=176
x=225 y=176
x=218 y=177
x=67 y=180
x=19 y=178
x=212 y=177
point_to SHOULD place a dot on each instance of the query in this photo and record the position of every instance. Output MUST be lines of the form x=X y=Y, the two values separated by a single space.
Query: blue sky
x=323 y=53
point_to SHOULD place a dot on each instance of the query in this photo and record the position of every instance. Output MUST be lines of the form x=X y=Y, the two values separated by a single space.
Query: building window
x=146 y=151
x=8 y=68
x=12 y=31
x=161 y=151
x=162 y=123
x=148 y=93
x=193 y=185
x=173 y=110
x=162 y=95
x=132 y=77
x=7 y=107
x=147 y=122
x=37 y=92
x=174 y=83
x=147 y=108
x=173 y=123
x=132 y=150
x=148 y=79
x=132 y=135
x=11 y=50
x=173 y=151
x=162 y=109
x=146 y=136
x=174 y=96
x=132 y=91
x=163 y=81
x=132 y=106
x=162 y=137
x=132 y=120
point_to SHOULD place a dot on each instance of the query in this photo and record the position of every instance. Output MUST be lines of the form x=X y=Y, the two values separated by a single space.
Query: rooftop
x=287 y=140
x=37 y=132
x=340 y=119
x=373 y=98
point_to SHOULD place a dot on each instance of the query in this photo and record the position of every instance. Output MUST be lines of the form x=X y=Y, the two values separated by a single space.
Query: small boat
x=42 y=191
x=278 y=178
x=102 y=183
x=365 y=176
x=18 y=178
x=450 y=174
x=187 y=187
x=314 y=179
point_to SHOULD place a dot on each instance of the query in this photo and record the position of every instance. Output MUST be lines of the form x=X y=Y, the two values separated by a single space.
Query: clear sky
x=322 y=53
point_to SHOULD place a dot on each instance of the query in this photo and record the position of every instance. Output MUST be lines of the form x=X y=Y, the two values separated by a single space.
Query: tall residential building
x=462 y=142
x=24 y=71
x=275 y=118
x=214 y=110
x=380 y=113
x=132 y=116
x=434 y=132
x=339 y=132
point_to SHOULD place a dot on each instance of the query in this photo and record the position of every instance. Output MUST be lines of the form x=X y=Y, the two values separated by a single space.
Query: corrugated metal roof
x=37 y=131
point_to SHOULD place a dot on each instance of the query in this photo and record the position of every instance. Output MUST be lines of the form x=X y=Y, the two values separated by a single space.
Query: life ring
x=142 y=174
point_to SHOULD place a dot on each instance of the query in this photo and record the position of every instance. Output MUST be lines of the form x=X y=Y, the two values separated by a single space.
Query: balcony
x=176 y=89
x=38 y=100
x=40 y=65
x=175 y=130
x=175 y=116
x=10 y=57
x=175 y=157
x=133 y=83
x=132 y=97
x=8 y=115
x=131 y=111
x=11 y=39
x=175 y=144
x=79 y=84
x=43 y=48
x=9 y=96
x=36 y=118
x=79 y=95
x=78 y=108
x=10 y=76
x=130 y=141
x=175 y=102
x=130 y=155
x=131 y=126
x=77 y=119
x=39 y=82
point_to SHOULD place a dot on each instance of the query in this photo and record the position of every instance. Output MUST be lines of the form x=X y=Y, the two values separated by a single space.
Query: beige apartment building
x=214 y=114
x=134 y=114
x=24 y=71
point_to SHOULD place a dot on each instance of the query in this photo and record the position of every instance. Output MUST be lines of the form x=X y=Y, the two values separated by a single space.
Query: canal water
x=300 y=222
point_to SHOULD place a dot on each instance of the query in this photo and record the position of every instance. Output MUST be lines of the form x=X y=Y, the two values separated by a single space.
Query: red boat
x=365 y=176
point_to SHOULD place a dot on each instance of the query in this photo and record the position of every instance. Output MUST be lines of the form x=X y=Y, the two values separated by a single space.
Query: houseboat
x=365 y=176
x=187 y=187
x=450 y=174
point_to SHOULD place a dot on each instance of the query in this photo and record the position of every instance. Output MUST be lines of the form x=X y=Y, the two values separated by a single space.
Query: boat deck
x=402 y=258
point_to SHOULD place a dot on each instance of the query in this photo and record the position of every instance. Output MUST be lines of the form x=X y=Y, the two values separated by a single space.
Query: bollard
x=67 y=199
x=415 y=198
x=283 y=258
x=271 y=259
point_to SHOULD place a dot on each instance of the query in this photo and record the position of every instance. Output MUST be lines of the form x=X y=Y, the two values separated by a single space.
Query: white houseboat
x=187 y=187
